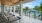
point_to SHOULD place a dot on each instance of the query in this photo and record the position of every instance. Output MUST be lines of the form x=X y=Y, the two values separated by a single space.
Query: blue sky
x=32 y=4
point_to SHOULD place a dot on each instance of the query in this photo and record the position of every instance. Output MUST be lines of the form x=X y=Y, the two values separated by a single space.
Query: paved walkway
x=25 y=19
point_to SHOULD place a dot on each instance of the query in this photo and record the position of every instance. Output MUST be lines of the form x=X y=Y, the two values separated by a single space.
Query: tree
x=26 y=10
x=39 y=8
x=36 y=8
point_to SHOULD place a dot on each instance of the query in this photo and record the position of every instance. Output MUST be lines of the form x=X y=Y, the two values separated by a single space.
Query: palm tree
x=26 y=10
x=36 y=8
x=39 y=8
x=29 y=12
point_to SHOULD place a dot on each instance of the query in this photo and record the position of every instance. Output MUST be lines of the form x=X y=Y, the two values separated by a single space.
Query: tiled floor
x=25 y=19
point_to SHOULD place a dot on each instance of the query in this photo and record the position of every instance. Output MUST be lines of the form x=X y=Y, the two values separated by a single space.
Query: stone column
x=3 y=18
x=2 y=8
x=21 y=10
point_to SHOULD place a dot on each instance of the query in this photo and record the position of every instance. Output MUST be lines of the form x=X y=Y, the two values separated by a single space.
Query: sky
x=32 y=4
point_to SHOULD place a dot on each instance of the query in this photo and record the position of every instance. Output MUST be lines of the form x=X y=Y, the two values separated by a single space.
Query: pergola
x=13 y=2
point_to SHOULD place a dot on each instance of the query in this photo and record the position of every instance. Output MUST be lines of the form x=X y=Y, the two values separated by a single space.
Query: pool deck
x=25 y=19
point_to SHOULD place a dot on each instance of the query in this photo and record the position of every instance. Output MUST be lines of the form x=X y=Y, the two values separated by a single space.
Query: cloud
x=32 y=4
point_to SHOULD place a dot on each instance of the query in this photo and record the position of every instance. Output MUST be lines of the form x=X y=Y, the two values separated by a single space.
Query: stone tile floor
x=25 y=19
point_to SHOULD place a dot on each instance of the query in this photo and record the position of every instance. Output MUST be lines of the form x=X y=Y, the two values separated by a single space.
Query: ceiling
x=12 y=2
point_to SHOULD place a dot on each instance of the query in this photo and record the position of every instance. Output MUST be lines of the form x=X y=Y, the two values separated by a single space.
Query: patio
x=13 y=3
x=25 y=19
